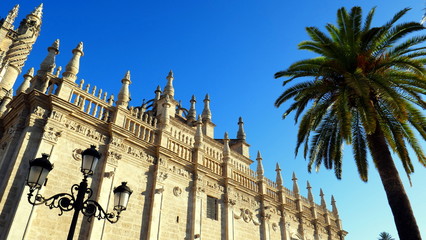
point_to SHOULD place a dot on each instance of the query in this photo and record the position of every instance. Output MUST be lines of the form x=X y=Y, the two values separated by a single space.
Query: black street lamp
x=40 y=168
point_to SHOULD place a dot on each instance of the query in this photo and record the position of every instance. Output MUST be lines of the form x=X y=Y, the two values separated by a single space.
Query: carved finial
x=127 y=75
x=48 y=64
x=124 y=94
x=323 y=204
x=259 y=169
x=58 y=71
x=111 y=99
x=241 y=135
x=73 y=65
x=79 y=47
x=157 y=93
x=226 y=149
x=310 y=196
x=199 y=132
x=207 y=114
x=295 y=185
x=26 y=83
x=55 y=45
x=334 y=207
x=30 y=72
x=38 y=11
x=279 y=178
x=169 y=90
x=11 y=16
x=192 y=112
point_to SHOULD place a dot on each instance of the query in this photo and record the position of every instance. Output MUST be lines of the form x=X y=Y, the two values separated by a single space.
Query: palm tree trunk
x=398 y=200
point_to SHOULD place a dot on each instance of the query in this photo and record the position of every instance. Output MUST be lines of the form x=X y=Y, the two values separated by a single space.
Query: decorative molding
x=51 y=134
x=76 y=154
x=162 y=176
x=247 y=216
x=140 y=153
x=113 y=157
x=55 y=115
x=214 y=186
x=177 y=191
x=118 y=142
x=40 y=112
x=274 y=227
x=109 y=174
x=230 y=201
x=159 y=190
x=85 y=131
x=179 y=171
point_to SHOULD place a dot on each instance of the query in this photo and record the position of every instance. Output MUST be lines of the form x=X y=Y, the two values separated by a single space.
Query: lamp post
x=40 y=168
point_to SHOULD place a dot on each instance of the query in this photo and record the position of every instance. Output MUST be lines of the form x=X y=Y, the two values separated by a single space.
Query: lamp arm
x=94 y=209
x=63 y=201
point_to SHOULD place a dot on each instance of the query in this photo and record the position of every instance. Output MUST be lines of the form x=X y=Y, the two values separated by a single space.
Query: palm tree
x=365 y=89
x=385 y=236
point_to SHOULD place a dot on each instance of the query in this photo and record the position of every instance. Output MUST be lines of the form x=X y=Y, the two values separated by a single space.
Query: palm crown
x=364 y=89
x=365 y=78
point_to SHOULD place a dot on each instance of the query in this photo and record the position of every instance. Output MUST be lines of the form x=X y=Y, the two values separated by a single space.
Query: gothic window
x=212 y=208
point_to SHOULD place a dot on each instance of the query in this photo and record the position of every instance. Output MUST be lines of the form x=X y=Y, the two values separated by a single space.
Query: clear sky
x=229 y=49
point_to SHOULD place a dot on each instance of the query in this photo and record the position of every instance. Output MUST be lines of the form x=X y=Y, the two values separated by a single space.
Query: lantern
x=39 y=168
x=90 y=158
x=121 y=197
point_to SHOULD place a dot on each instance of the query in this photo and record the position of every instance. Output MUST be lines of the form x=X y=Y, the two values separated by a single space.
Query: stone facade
x=186 y=183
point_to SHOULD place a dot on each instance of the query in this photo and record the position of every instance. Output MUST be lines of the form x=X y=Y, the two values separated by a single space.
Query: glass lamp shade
x=39 y=168
x=90 y=158
x=121 y=197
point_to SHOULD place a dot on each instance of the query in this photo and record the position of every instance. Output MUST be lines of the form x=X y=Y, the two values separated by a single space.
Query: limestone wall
x=171 y=175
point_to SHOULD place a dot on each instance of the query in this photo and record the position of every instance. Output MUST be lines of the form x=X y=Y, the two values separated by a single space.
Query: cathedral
x=185 y=182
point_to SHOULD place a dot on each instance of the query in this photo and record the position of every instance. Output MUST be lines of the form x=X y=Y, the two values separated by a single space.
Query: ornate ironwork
x=67 y=202
x=63 y=201
x=92 y=209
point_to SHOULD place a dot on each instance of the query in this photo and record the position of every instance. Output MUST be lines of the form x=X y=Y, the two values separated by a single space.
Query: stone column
x=160 y=175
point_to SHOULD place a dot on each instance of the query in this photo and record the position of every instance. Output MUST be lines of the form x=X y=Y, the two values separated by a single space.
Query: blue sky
x=229 y=49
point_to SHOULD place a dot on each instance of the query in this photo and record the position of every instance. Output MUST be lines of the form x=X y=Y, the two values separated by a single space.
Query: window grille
x=212 y=208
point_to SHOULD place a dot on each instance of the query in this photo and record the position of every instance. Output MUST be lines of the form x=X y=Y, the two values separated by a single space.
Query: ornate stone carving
x=159 y=190
x=274 y=227
x=141 y=154
x=113 y=157
x=55 y=115
x=84 y=130
x=214 y=186
x=52 y=134
x=162 y=176
x=76 y=154
x=266 y=217
x=180 y=171
x=109 y=174
x=247 y=216
x=230 y=201
x=40 y=112
x=177 y=191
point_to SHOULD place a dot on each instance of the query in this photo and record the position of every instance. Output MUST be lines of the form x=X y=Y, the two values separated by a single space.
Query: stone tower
x=16 y=45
